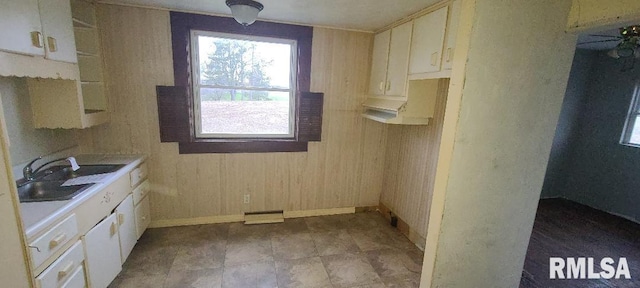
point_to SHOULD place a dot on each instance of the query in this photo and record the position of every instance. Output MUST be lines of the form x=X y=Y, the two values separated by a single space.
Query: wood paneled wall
x=410 y=166
x=344 y=170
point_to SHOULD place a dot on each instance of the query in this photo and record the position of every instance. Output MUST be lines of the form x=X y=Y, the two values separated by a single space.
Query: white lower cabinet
x=126 y=227
x=102 y=250
x=143 y=216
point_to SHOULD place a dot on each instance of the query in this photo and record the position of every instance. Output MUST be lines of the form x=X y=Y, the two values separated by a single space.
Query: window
x=243 y=86
x=631 y=132
x=263 y=104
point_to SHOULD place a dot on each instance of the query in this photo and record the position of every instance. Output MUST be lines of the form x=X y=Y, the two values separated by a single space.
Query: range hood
x=415 y=109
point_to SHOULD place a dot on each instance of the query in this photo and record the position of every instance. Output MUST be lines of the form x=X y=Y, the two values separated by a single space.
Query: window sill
x=242 y=146
x=630 y=145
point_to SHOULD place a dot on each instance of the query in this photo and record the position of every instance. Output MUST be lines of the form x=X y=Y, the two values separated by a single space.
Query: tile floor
x=352 y=250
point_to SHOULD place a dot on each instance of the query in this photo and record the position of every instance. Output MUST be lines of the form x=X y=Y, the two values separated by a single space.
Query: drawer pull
x=434 y=59
x=113 y=229
x=36 y=39
x=53 y=44
x=65 y=271
x=57 y=240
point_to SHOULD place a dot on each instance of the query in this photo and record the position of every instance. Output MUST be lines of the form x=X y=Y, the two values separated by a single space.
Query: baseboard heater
x=264 y=217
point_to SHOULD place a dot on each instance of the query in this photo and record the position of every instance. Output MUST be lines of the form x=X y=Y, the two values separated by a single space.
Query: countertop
x=37 y=216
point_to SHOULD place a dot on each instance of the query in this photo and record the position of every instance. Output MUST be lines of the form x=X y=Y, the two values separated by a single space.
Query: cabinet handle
x=388 y=85
x=57 y=240
x=53 y=45
x=36 y=39
x=65 y=271
x=381 y=86
x=434 y=59
x=113 y=229
x=449 y=54
x=121 y=218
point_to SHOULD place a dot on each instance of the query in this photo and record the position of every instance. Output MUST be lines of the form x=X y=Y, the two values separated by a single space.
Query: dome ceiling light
x=245 y=11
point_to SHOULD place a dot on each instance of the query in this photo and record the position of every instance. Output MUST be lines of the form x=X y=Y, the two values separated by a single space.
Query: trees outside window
x=244 y=86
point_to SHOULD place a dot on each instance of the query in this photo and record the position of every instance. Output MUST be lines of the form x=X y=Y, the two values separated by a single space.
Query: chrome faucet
x=28 y=172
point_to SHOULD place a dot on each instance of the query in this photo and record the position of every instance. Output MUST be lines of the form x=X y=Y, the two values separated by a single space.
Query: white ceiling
x=583 y=38
x=366 y=15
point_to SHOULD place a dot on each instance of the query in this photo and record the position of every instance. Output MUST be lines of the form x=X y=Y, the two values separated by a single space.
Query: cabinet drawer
x=143 y=216
x=76 y=280
x=138 y=174
x=63 y=268
x=140 y=192
x=53 y=240
x=102 y=203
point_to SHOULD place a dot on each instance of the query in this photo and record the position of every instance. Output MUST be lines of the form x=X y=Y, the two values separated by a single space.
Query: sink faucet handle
x=74 y=163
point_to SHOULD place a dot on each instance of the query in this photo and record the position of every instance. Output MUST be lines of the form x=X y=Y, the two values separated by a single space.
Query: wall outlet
x=247 y=198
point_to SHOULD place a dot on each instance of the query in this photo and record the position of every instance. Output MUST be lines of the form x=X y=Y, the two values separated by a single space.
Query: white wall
x=509 y=79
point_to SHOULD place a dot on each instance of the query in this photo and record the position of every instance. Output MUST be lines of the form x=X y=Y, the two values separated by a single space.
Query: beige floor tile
x=293 y=246
x=334 y=242
x=206 y=255
x=372 y=285
x=146 y=260
x=412 y=281
x=328 y=223
x=241 y=232
x=380 y=238
x=290 y=226
x=305 y=272
x=253 y=275
x=204 y=278
x=248 y=251
x=154 y=281
x=348 y=270
x=393 y=263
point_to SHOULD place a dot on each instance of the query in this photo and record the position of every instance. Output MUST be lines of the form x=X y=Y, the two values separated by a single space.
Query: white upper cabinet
x=380 y=57
x=20 y=28
x=57 y=27
x=427 y=42
x=452 y=33
x=390 y=61
x=398 y=60
x=39 y=28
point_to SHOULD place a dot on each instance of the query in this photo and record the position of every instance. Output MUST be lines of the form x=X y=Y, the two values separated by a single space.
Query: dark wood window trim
x=181 y=110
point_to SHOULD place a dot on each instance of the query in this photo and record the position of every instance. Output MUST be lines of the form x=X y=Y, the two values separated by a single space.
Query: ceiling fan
x=629 y=45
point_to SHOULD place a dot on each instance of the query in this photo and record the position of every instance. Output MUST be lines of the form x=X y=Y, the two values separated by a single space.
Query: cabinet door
x=18 y=20
x=452 y=33
x=398 y=60
x=127 y=227
x=57 y=28
x=379 y=58
x=143 y=216
x=102 y=250
x=427 y=41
